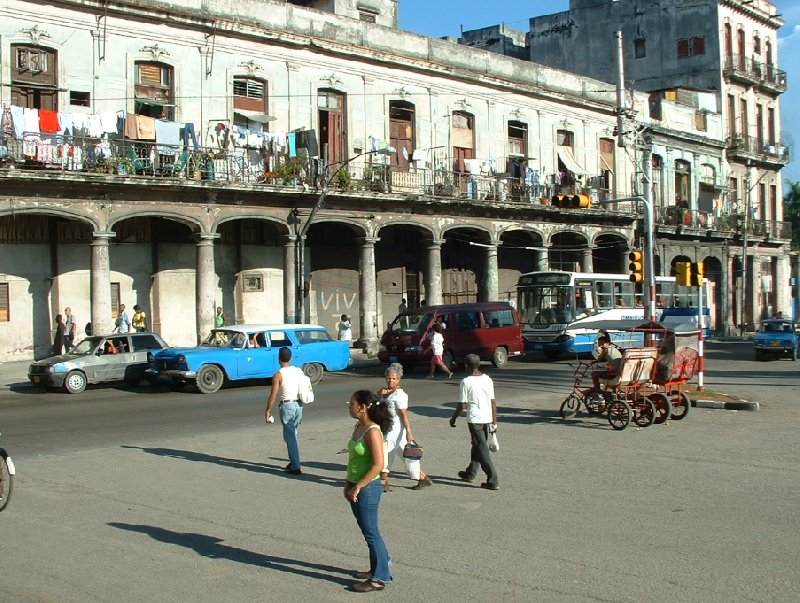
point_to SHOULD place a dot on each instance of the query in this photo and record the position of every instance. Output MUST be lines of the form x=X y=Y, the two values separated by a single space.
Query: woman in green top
x=363 y=488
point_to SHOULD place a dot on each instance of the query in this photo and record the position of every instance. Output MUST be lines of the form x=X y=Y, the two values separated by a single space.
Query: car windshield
x=220 y=338
x=86 y=346
x=410 y=323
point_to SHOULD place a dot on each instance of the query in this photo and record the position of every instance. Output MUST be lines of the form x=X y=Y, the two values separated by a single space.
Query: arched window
x=154 y=89
x=34 y=77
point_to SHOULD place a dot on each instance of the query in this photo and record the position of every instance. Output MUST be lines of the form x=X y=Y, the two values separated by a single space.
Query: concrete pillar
x=100 y=279
x=205 y=285
x=780 y=286
x=368 y=297
x=543 y=259
x=433 y=275
x=289 y=280
x=723 y=295
x=491 y=279
x=586 y=260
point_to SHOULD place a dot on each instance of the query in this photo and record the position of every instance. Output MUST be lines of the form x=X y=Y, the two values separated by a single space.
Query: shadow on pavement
x=189 y=455
x=211 y=547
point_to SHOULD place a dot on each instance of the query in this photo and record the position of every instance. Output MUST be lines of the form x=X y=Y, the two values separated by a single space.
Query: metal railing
x=724 y=222
x=752 y=70
x=757 y=147
x=250 y=166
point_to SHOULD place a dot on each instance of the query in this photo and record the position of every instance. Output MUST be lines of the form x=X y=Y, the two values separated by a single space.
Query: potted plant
x=289 y=171
x=343 y=179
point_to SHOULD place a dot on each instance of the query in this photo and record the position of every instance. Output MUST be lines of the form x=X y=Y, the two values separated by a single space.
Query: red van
x=491 y=330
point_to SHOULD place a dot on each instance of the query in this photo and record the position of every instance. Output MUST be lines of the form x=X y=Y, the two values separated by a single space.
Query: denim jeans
x=291 y=415
x=480 y=456
x=366 y=513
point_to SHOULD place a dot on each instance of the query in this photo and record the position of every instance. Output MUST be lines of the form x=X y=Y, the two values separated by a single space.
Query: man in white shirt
x=477 y=397
x=123 y=320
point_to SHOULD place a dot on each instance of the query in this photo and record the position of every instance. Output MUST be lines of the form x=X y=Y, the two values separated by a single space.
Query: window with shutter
x=249 y=94
x=4 y=303
x=114 y=300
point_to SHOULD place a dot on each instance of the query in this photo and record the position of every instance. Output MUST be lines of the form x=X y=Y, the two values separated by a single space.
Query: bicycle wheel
x=569 y=407
x=663 y=408
x=680 y=405
x=6 y=479
x=619 y=415
x=645 y=412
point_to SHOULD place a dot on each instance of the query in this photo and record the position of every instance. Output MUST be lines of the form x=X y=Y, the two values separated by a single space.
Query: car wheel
x=314 y=371
x=500 y=357
x=132 y=381
x=176 y=385
x=209 y=379
x=75 y=382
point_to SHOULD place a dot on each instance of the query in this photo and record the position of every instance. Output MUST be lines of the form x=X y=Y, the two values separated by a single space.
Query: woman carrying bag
x=400 y=433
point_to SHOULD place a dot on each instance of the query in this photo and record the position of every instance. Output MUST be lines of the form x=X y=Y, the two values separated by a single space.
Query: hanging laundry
x=188 y=132
x=292 y=144
x=108 y=122
x=168 y=136
x=95 y=126
x=31 y=121
x=146 y=128
x=18 y=120
x=65 y=123
x=80 y=124
x=48 y=121
x=131 y=129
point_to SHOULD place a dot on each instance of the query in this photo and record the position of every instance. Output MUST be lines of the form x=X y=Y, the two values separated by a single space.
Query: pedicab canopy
x=678 y=351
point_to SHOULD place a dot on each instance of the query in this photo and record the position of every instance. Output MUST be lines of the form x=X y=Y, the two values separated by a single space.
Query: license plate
x=775 y=344
x=393 y=358
x=163 y=373
x=36 y=379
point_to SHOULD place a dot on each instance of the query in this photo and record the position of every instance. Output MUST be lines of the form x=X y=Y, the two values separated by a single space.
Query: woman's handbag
x=412 y=450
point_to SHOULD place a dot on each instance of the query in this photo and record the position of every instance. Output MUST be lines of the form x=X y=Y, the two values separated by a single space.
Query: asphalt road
x=130 y=494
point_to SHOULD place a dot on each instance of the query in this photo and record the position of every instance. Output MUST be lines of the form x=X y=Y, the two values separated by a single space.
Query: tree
x=791 y=211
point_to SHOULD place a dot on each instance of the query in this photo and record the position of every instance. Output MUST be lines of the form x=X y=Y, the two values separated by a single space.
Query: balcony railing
x=757 y=148
x=243 y=166
x=721 y=222
x=751 y=71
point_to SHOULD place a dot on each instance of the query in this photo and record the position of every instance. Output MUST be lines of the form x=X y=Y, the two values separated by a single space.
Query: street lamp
x=301 y=235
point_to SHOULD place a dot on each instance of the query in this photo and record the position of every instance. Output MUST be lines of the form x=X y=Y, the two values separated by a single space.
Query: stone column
x=290 y=279
x=205 y=285
x=723 y=295
x=101 y=283
x=368 y=299
x=543 y=259
x=491 y=277
x=433 y=275
x=586 y=260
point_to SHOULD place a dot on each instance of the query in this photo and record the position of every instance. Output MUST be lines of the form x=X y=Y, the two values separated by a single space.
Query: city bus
x=562 y=312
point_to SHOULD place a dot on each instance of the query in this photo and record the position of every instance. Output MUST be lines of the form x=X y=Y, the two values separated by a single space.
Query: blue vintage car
x=777 y=337
x=249 y=352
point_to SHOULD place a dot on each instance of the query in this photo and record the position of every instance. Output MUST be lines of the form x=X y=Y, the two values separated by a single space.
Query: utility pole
x=743 y=305
x=643 y=144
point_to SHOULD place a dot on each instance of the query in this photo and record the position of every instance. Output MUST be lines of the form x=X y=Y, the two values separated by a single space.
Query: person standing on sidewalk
x=219 y=318
x=139 y=321
x=363 y=488
x=286 y=382
x=437 y=345
x=123 y=323
x=58 y=336
x=70 y=329
x=477 y=397
x=400 y=433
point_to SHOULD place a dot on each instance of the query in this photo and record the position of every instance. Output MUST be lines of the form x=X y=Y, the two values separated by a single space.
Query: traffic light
x=683 y=273
x=636 y=266
x=696 y=274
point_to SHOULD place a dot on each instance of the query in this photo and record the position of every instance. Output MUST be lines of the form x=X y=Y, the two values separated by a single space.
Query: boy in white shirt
x=477 y=397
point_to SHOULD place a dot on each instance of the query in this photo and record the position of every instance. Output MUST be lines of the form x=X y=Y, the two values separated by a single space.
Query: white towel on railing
x=31 y=117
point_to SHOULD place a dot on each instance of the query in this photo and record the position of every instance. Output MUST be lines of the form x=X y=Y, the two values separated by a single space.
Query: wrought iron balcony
x=722 y=222
x=758 y=149
x=748 y=70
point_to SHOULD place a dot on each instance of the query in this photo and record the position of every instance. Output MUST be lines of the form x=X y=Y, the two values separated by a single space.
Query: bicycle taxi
x=648 y=386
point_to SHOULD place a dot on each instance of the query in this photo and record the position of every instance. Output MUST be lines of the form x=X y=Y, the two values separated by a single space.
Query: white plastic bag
x=494 y=444
x=305 y=391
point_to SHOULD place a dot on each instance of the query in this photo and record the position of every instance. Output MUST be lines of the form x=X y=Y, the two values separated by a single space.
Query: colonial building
x=676 y=50
x=293 y=163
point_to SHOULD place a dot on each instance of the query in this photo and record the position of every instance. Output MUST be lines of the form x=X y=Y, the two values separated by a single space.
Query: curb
x=739 y=405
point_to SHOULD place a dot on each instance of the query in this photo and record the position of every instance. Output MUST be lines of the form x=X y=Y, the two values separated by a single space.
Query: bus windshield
x=546 y=305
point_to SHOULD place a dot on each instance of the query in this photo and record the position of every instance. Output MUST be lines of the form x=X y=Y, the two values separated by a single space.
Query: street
x=130 y=494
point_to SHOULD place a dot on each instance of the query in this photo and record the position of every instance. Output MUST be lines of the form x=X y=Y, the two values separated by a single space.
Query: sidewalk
x=13 y=372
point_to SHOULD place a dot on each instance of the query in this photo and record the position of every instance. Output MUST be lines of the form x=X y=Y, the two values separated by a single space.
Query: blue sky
x=448 y=17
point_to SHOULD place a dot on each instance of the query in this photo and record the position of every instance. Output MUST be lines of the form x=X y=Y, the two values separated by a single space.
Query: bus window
x=605 y=294
x=623 y=294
